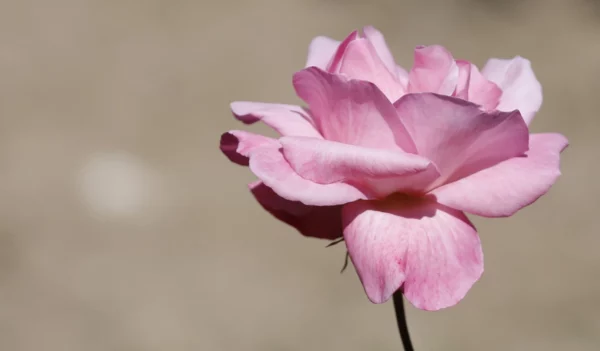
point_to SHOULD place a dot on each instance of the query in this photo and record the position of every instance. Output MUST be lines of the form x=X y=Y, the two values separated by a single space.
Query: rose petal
x=482 y=91
x=351 y=111
x=269 y=165
x=520 y=88
x=334 y=64
x=458 y=137
x=321 y=51
x=383 y=51
x=462 y=83
x=323 y=222
x=474 y=87
x=507 y=187
x=402 y=75
x=432 y=252
x=376 y=172
x=285 y=119
x=434 y=71
x=361 y=61
x=238 y=144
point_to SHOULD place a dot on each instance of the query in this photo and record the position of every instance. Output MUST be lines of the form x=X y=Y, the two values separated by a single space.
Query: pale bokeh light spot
x=116 y=184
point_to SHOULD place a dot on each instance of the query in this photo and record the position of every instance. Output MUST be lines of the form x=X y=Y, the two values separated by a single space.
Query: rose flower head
x=392 y=159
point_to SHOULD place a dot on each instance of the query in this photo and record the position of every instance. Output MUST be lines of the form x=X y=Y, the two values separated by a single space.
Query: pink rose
x=390 y=160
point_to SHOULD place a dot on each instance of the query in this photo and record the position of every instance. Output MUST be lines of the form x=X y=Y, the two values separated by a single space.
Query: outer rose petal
x=458 y=137
x=520 y=88
x=432 y=252
x=323 y=222
x=351 y=111
x=320 y=52
x=474 y=87
x=376 y=172
x=269 y=165
x=434 y=71
x=507 y=187
x=361 y=61
x=237 y=145
x=285 y=119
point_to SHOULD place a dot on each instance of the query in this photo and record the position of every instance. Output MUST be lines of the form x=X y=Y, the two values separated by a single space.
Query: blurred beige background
x=122 y=227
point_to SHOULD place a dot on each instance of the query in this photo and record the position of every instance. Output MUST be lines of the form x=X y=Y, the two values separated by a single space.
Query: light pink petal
x=351 y=111
x=458 y=137
x=269 y=165
x=434 y=70
x=507 y=187
x=464 y=77
x=377 y=172
x=520 y=88
x=321 y=51
x=384 y=53
x=402 y=75
x=285 y=119
x=237 y=145
x=474 y=87
x=482 y=91
x=323 y=222
x=432 y=252
x=361 y=61
x=334 y=64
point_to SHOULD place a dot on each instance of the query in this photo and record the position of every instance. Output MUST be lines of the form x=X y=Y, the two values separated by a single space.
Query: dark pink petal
x=285 y=119
x=520 y=88
x=351 y=111
x=321 y=51
x=323 y=222
x=434 y=70
x=474 y=87
x=269 y=165
x=458 y=137
x=432 y=252
x=237 y=145
x=377 y=172
x=507 y=187
x=361 y=61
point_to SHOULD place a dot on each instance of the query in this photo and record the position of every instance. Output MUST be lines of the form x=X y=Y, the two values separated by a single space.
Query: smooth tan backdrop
x=122 y=227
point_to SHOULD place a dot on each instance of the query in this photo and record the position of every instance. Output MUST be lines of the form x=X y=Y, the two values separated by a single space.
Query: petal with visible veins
x=458 y=137
x=505 y=188
x=432 y=252
x=269 y=165
x=352 y=111
x=376 y=172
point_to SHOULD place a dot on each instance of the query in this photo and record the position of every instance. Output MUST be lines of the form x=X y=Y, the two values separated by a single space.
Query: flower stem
x=401 y=321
